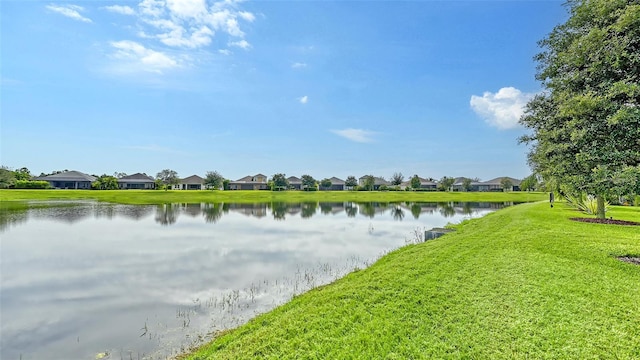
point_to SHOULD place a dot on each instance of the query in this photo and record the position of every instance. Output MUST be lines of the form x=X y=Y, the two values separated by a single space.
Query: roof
x=68 y=176
x=294 y=180
x=249 y=179
x=498 y=181
x=136 y=178
x=336 y=181
x=193 y=179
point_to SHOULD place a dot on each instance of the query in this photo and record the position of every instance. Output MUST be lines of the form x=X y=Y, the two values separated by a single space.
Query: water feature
x=87 y=280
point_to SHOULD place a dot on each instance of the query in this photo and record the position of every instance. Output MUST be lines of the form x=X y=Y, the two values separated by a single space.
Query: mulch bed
x=606 y=221
x=630 y=259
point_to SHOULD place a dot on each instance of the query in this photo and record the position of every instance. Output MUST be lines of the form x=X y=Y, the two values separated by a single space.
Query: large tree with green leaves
x=279 y=182
x=168 y=177
x=351 y=182
x=309 y=183
x=586 y=124
x=214 y=180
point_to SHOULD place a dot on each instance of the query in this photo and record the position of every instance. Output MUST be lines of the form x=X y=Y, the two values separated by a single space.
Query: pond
x=87 y=280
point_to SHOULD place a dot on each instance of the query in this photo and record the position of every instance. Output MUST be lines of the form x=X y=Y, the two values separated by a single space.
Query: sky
x=325 y=88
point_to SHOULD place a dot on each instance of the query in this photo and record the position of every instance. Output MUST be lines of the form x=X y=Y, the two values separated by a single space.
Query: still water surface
x=84 y=280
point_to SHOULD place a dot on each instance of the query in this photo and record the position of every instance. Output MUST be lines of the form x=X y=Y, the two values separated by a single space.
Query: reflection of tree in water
x=446 y=209
x=416 y=210
x=325 y=208
x=192 y=209
x=308 y=209
x=467 y=208
x=11 y=216
x=167 y=214
x=279 y=210
x=213 y=212
x=368 y=209
x=351 y=209
x=397 y=212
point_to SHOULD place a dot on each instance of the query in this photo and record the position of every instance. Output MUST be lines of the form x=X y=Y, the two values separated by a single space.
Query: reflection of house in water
x=135 y=212
x=258 y=210
x=192 y=210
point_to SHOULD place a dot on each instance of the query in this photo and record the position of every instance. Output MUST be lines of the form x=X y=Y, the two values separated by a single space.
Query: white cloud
x=72 y=11
x=243 y=44
x=502 y=109
x=191 y=23
x=124 y=10
x=298 y=65
x=357 y=135
x=304 y=99
x=138 y=57
x=225 y=51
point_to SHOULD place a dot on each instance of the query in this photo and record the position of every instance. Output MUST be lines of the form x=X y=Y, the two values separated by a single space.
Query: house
x=377 y=182
x=496 y=184
x=255 y=182
x=295 y=183
x=193 y=182
x=337 y=184
x=458 y=185
x=424 y=184
x=136 y=181
x=69 y=180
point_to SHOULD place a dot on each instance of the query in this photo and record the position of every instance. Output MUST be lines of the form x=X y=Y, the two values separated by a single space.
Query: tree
x=530 y=183
x=214 y=180
x=325 y=183
x=586 y=125
x=279 y=182
x=105 y=182
x=415 y=182
x=506 y=184
x=351 y=182
x=466 y=184
x=445 y=183
x=22 y=174
x=369 y=182
x=119 y=175
x=397 y=178
x=309 y=183
x=7 y=177
x=168 y=177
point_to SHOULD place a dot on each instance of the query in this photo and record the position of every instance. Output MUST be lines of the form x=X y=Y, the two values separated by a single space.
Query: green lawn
x=178 y=196
x=521 y=283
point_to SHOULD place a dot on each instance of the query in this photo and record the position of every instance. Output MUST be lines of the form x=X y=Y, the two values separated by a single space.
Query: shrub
x=32 y=184
x=585 y=203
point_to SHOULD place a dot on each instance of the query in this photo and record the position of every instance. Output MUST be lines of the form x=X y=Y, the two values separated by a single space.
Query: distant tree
x=225 y=184
x=506 y=184
x=7 y=177
x=397 y=178
x=309 y=183
x=168 y=177
x=119 y=175
x=105 y=182
x=369 y=182
x=325 y=183
x=466 y=184
x=351 y=182
x=214 y=180
x=279 y=182
x=415 y=182
x=530 y=183
x=445 y=183
x=22 y=174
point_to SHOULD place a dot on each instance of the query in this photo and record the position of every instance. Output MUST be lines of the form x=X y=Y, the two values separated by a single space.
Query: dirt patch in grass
x=606 y=221
x=630 y=259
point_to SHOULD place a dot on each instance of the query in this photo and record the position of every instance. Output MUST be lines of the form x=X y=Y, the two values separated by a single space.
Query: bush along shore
x=523 y=282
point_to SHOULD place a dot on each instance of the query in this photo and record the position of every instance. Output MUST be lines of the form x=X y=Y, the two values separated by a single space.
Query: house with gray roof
x=193 y=182
x=136 y=181
x=377 y=182
x=255 y=182
x=69 y=180
x=496 y=184
x=458 y=185
x=336 y=184
x=424 y=184
x=295 y=183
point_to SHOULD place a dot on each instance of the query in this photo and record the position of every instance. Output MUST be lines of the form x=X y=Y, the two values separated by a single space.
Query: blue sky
x=326 y=88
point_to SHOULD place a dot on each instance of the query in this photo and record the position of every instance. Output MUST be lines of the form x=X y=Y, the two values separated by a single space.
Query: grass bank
x=177 y=196
x=524 y=282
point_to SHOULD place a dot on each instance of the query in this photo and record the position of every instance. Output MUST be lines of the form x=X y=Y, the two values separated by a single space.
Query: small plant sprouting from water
x=417 y=237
